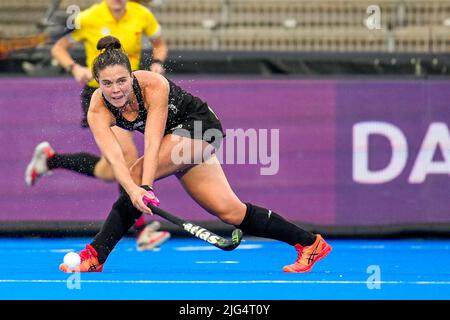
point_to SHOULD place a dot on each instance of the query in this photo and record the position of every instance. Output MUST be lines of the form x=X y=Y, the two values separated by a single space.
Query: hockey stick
x=200 y=232
x=7 y=45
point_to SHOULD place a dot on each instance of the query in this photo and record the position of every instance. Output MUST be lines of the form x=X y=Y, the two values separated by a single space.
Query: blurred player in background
x=129 y=21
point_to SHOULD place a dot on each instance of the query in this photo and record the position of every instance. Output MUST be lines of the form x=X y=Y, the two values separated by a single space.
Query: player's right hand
x=151 y=197
x=137 y=198
x=82 y=74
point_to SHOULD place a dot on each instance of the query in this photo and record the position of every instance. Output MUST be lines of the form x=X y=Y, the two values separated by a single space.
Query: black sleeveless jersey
x=182 y=105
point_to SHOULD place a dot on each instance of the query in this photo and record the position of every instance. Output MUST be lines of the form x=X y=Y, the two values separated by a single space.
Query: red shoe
x=308 y=256
x=89 y=262
x=37 y=167
x=149 y=237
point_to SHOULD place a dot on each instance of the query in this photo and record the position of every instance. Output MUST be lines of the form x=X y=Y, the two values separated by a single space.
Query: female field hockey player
x=148 y=102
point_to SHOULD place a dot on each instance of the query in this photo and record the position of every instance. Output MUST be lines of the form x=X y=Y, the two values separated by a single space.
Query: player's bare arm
x=100 y=121
x=156 y=93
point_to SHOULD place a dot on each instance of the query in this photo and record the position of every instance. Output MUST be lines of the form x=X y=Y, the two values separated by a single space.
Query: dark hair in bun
x=108 y=43
x=112 y=54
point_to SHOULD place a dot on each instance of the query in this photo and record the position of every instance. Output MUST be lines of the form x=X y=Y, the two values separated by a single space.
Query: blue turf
x=190 y=269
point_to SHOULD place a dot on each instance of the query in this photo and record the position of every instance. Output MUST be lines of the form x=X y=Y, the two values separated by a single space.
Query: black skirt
x=200 y=123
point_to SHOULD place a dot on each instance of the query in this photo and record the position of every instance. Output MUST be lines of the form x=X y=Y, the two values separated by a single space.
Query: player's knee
x=136 y=172
x=232 y=214
x=104 y=171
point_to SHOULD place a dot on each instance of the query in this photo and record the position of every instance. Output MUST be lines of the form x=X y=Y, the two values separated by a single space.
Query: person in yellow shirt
x=128 y=21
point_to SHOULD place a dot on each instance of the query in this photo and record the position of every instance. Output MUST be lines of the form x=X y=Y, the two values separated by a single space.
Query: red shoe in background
x=37 y=167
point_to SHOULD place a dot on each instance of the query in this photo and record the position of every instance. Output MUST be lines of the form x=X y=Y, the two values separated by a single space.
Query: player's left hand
x=150 y=197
